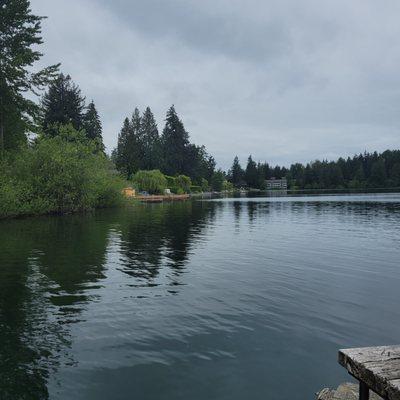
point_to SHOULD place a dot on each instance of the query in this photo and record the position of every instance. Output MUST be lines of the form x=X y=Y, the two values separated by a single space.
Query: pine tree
x=205 y=164
x=378 y=174
x=175 y=145
x=150 y=142
x=217 y=180
x=92 y=125
x=62 y=104
x=128 y=153
x=237 y=173
x=251 y=174
x=120 y=155
x=199 y=164
x=19 y=37
x=136 y=121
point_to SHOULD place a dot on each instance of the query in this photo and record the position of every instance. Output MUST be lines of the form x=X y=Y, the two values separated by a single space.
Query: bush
x=183 y=182
x=205 y=187
x=60 y=174
x=153 y=181
x=178 y=184
x=227 y=186
x=170 y=181
x=217 y=181
x=195 y=189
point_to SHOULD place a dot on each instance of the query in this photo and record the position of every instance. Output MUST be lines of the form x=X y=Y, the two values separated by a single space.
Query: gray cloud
x=284 y=80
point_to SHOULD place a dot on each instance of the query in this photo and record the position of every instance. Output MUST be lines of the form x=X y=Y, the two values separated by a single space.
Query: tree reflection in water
x=52 y=267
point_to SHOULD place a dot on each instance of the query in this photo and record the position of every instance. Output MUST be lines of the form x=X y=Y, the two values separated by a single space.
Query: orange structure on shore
x=129 y=192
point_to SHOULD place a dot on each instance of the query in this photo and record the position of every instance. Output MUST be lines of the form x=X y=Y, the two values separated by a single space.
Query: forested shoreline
x=53 y=159
x=363 y=171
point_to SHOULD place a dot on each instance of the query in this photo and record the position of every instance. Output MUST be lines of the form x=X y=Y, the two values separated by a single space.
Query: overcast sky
x=283 y=80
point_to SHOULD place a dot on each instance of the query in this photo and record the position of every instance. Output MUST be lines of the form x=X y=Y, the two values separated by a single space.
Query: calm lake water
x=246 y=298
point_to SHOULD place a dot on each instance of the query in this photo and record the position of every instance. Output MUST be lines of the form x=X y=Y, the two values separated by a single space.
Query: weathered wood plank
x=365 y=354
x=378 y=367
x=394 y=388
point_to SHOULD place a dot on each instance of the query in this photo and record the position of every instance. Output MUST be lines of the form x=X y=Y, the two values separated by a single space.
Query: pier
x=162 y=198
x=376 y=369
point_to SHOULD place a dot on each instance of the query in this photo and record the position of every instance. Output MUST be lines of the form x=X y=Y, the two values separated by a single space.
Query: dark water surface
x=223 y=299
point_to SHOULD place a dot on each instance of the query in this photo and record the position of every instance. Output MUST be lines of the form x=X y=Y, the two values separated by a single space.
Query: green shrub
x=183 y=182
x=178 y=184
x=204 y=185
x=153 y=181
x=228 y=186
x=195 y=189
x=217 y=180
x=60 y=174
x=171 y=181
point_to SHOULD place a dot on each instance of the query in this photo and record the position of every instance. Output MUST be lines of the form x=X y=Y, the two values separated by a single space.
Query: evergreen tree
x=251 y=174
x=262 y=170
x=128 y=153
x=237 y=173
x=395 y=174
x=217 y=180
x=206 y=164
x=92 y=125
x=199 y=163
x=120 y=155
x=175 y=145
x=136 y=122
x=62 y=104
x=297 y=175
x=150 y=141
x=19 y=37
x=378 y=174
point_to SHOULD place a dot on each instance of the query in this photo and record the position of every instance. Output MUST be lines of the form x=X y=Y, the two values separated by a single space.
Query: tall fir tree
x=150 y=142
x=199 y=164
x=92 y=125
x=175 y=145
x=19 y=37
x=251 y=174
x=237 y=173
x=62 y=104
x=128 y=152
x=378 y=174
x=120 y=155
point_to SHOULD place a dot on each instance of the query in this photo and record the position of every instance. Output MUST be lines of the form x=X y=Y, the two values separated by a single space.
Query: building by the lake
x=280 y=184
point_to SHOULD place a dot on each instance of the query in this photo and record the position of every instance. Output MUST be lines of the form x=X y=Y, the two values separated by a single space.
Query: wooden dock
x=162 y=198
x=376 y=369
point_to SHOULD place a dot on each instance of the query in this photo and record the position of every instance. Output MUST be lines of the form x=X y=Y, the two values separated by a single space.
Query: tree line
x=62 y=167
x=141 y=147
x=362 y=171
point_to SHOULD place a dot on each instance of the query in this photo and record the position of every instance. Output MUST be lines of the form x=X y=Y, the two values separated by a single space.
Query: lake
x=244 y=298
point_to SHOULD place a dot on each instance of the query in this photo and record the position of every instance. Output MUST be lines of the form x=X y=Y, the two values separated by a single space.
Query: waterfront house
x=279 y=184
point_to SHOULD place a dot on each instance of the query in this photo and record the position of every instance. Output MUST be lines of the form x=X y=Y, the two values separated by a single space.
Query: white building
x=280 y=184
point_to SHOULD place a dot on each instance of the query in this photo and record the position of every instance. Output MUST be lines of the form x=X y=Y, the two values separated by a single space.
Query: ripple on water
x=217 y=299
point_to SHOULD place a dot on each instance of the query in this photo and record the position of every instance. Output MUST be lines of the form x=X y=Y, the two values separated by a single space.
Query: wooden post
x=364 y=391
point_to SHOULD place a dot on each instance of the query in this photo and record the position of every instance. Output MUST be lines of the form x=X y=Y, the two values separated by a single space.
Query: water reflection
x=50 y=268
x=47 y=265
x=156 y=237
x=250 y=265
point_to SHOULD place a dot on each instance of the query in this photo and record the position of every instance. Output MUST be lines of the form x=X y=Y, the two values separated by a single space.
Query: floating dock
x=162 y=198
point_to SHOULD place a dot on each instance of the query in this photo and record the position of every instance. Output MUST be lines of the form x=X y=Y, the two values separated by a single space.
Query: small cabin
x=129 y=192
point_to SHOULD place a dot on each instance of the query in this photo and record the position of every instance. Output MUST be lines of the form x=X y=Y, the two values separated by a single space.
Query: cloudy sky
x=283 y=80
